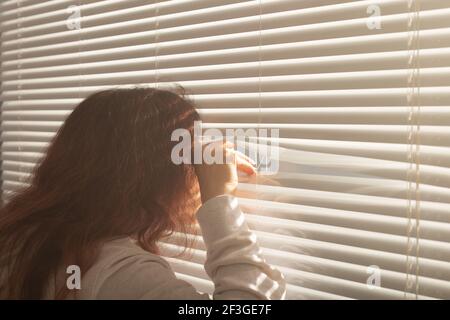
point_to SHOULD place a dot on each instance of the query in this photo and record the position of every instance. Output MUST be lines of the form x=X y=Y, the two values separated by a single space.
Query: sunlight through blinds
x=359 y=91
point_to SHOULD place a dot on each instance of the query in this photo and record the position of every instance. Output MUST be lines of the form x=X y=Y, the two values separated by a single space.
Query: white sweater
x=126 y=271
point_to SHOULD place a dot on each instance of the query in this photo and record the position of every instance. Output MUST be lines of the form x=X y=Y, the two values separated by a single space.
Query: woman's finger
x=244 y=165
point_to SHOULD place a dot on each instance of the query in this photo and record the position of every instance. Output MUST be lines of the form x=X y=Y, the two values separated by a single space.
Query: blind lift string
x=413 y=156
x=19 y=85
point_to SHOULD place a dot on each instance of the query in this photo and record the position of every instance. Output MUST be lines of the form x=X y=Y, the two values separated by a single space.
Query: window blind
x=358 y=90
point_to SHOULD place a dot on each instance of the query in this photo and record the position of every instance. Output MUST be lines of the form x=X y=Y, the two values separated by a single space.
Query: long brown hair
x=107 y=174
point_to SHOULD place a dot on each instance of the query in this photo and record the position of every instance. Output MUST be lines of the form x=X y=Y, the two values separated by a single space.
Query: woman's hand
x=219 y=179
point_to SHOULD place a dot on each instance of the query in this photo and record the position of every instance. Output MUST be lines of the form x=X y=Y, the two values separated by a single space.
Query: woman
x=107 y=192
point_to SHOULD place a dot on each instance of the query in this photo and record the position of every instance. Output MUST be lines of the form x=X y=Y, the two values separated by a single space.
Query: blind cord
x=79 y=50
x=259 y=88
x=19 y=83
x=413 y=154
x=156 y=43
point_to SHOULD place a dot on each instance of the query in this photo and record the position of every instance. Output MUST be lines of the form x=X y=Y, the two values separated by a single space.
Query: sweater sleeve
x=234 y=263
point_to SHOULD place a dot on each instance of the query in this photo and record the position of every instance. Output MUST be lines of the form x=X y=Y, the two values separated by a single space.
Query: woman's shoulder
x=125 y=248
x=121 y=268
